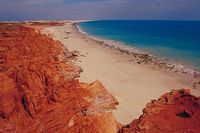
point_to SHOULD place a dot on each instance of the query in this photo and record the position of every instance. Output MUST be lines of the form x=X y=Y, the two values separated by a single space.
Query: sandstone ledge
x=174 y=112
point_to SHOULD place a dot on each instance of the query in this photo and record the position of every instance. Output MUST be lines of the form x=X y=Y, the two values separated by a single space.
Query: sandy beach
x=132 y=83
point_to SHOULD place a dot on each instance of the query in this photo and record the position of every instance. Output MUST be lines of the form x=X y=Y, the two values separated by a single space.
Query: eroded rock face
x=39 y=92
x=174 y=112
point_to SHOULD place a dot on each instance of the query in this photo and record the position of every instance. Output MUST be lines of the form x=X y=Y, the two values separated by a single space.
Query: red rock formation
x=174 y=112
x=39 y=92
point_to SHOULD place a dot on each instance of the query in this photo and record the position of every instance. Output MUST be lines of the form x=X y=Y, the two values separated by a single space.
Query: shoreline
x=133 y=84
x=143 y=57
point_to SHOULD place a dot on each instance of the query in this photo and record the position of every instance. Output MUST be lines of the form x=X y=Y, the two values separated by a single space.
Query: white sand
x=134 y=85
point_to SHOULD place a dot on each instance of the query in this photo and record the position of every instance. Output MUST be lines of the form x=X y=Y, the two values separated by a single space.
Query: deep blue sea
x=175 y=40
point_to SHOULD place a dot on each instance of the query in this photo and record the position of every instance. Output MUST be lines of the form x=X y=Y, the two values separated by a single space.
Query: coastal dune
x=132 y=83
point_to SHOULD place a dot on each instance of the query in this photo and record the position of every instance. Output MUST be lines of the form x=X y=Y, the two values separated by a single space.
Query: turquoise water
x=175 y=40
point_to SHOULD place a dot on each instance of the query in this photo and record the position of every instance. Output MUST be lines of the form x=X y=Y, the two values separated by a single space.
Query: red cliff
x=39 y=92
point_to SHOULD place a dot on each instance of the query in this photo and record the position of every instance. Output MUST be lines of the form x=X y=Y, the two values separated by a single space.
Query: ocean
x=178 y=41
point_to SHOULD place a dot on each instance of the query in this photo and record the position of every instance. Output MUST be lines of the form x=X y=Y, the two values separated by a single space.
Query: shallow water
x=175 y=40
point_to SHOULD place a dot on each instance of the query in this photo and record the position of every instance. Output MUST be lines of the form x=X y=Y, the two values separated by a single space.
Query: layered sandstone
x=40 y=92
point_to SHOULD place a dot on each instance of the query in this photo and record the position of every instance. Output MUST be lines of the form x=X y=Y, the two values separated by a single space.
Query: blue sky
x=99 y=9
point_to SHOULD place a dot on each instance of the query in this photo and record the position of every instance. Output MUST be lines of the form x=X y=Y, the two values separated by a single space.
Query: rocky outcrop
x=39 y=91
x=174 y=112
